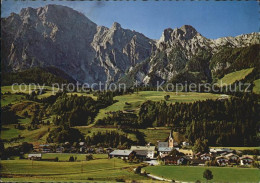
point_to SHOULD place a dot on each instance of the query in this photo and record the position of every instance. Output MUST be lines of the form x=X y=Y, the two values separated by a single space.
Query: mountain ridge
x=59 y=36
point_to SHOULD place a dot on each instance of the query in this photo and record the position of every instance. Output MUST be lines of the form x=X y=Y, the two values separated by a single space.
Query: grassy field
x=8 y=132
x=92 y=130
x=154 y=135
x=11 y=99
x=136 y=99
x=27 y=89
x=256 y=88
x=240 y=148
x=99 y=169
x=234 y=76
x=150 y=135
x=191 y=174
x=38 y=135
x=66 y=156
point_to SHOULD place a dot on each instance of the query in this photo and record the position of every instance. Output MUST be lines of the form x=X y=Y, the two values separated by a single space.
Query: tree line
x=109 y=139
x=229 y=122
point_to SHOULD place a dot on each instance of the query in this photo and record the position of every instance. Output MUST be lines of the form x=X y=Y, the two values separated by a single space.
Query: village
x=165 y=153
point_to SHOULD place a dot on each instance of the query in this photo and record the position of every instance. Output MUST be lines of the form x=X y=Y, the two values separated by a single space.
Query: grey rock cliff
x=59 y=36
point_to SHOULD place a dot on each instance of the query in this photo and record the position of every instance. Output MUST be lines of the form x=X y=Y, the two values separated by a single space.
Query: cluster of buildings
x=80 y=147
x=183 y=156
x=168 y=153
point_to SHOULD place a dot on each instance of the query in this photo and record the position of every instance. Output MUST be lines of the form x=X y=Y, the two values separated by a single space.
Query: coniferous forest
x=231 y=122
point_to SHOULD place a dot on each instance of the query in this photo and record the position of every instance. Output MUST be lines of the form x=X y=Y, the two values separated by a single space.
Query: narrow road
x=158 y=178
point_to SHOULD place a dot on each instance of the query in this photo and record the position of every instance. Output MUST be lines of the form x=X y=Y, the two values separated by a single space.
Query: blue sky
x=212 y=19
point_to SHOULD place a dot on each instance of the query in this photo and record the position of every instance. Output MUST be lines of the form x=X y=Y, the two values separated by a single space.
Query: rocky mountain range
x=59 y=36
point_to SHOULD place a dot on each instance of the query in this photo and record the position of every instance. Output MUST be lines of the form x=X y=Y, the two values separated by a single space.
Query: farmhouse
x=183 y=160
x=164 y=151
x=81 y=143
x=100 y=150
x=109 y=150
x=222 y=160
x=141 y=154
x=205 y=156
x=187 y=152
x=232 y=157
x=90 y=150
x=35 y=156
x=123 y=154
x=170 y=160
x=146 y=148
x=185 y=144
x=60 y=149
x=198 y=162
x=220 y=150
x=149 y=150
x=175 y=160
x=82 y=149
x=45 y=148
x=246 y=160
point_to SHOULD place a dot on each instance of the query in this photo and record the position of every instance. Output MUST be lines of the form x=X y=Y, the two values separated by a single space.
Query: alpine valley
x=139 y=134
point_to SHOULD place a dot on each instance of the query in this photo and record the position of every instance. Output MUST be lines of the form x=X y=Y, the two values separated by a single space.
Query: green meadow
x=66 y=156
x=136 y=99
x=192 y=174
x=234 y=76
x=150 y=135
x=10 y=99
x=38 y=135
x=98 y=169
x=27 y=89
x=256 y=88
x=240 y=148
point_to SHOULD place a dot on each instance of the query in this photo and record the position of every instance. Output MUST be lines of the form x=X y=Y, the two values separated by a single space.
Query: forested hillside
x=231 y=122
x=229 y=60
x=38 y=75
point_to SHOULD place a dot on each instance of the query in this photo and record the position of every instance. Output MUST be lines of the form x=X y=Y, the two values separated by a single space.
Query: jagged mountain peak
x=116 y=26
x=54 y=13
x=62 y=37
x=186 y=32
x=56 y=35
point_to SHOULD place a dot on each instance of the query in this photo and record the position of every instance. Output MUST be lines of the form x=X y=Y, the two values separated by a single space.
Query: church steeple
x=170 y=140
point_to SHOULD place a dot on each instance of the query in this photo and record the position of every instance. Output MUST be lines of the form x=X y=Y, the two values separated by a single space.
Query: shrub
x=138 y=170
x=120 y=180
x=89 y=157
x=71 y=159
x=207 y=174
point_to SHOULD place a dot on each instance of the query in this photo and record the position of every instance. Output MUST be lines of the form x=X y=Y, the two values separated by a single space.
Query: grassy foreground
x=191 y=174
x=240 y=148
x=99 y=169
